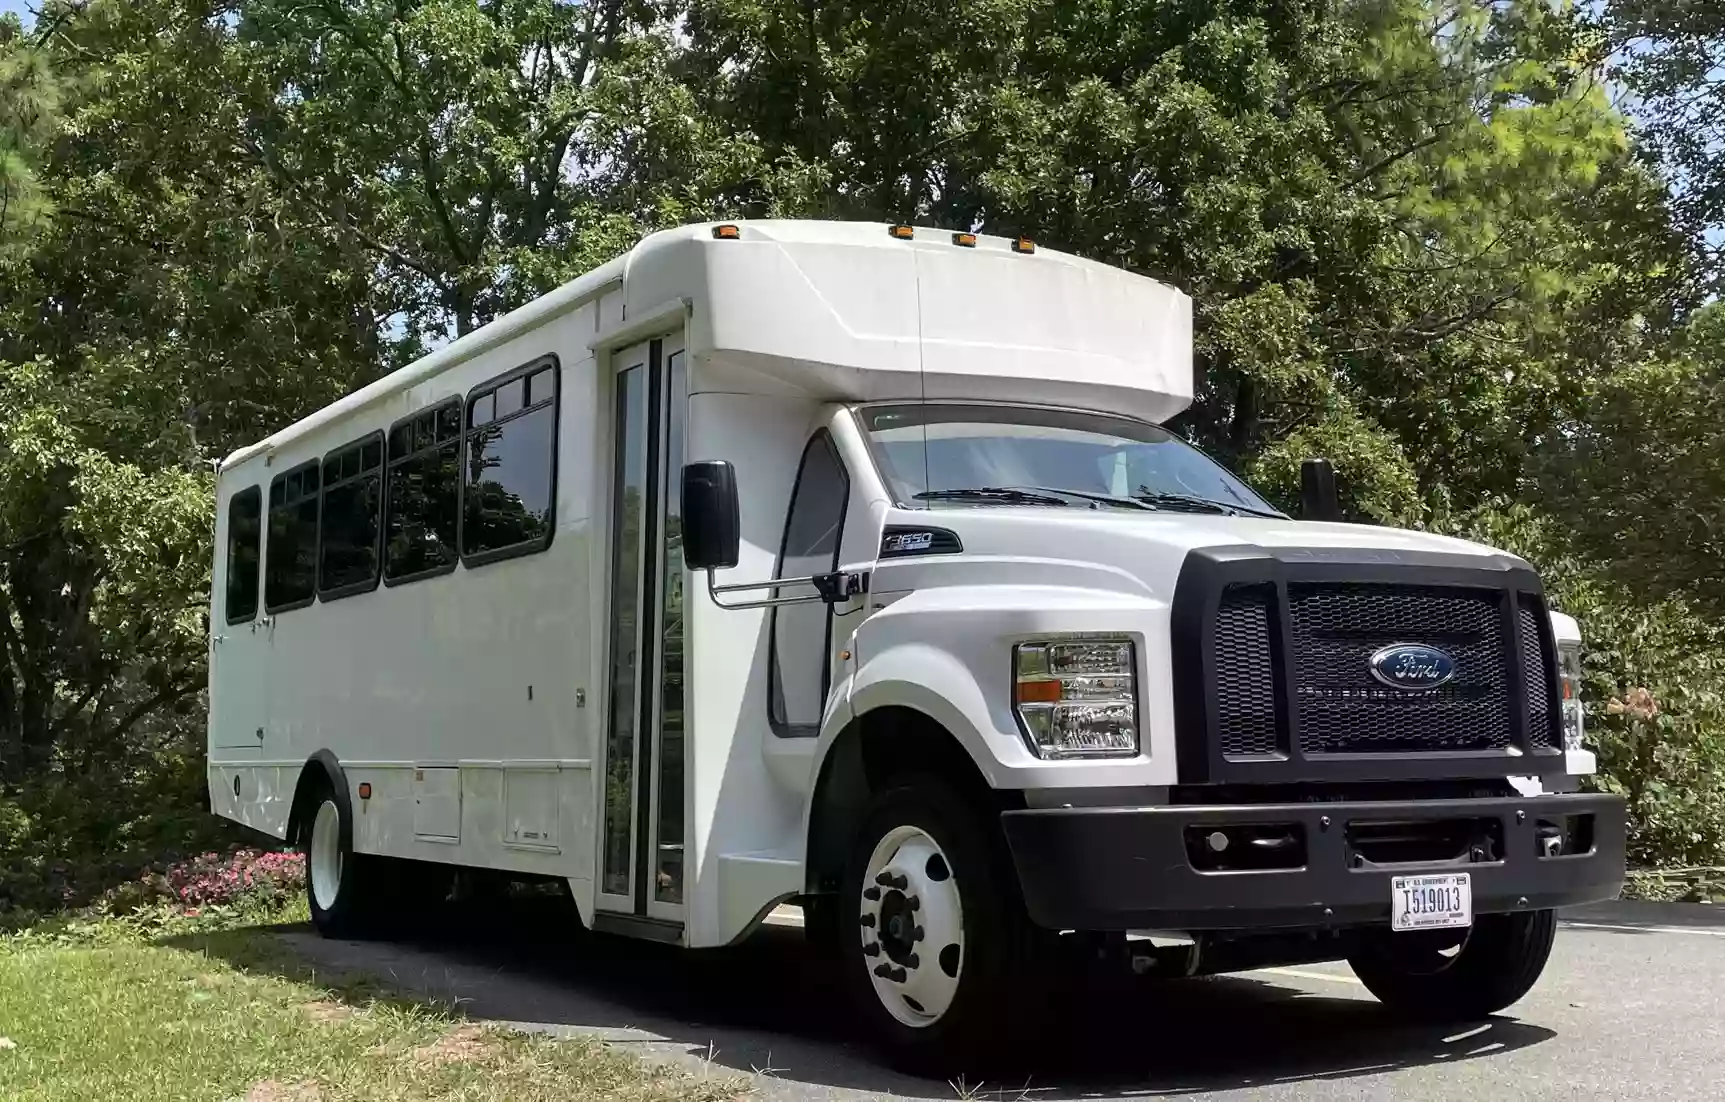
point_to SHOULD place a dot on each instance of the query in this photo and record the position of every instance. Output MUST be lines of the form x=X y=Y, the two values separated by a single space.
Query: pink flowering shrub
x=246 y=875
x=247 y=878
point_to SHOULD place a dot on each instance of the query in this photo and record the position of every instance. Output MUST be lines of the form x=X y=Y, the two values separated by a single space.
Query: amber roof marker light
x=1023 y=245
x=727 y=232
x=964 y=240
x=903 y=233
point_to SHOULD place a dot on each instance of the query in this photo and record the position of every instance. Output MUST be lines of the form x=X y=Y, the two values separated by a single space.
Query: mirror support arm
x=834 y=588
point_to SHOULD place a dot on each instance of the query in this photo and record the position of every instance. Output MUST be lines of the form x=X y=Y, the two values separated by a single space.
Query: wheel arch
x=867 y=753
x=322 y=768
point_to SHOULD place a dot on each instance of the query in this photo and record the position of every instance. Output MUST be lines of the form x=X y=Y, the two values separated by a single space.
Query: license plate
x=1431 y=902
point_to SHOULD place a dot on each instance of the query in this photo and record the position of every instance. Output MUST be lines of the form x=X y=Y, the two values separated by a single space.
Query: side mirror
x=711 y=533
x=1318 y=500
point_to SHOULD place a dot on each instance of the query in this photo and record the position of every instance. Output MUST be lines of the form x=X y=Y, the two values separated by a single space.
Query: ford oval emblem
x=1412 y=666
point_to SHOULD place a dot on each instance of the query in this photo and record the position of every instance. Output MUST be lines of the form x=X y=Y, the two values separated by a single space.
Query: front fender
x=947 y=653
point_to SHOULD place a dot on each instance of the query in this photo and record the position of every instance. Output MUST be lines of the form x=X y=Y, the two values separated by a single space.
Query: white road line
x=1644 y=929
x=1303 y=974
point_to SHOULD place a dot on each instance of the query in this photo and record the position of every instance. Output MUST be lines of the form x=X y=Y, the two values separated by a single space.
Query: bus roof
x=863 y=311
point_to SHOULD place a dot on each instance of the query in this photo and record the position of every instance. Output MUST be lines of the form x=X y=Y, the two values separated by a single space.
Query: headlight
x=1077 y=698
x=1569 y=677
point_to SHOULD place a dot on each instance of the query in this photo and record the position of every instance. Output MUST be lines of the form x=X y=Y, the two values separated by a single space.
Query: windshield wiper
x=1088 y=495
x=1037 y=495
x=1166 y=500
x=1000 y=494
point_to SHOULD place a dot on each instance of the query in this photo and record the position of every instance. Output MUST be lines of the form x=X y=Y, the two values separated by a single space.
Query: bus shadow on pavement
x=772 y=1011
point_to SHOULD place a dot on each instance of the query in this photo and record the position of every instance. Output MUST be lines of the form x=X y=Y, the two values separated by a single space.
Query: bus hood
x=1112 y=549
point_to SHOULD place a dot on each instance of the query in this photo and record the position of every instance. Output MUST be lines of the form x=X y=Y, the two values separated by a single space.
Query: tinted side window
x=245 y=532
x=511 y=466
x=352 y=502
x=423 y=497
x=290 y=568
x=801 y=634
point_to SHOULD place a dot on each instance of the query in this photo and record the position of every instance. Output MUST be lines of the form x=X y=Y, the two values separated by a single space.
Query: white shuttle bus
x=847 y=565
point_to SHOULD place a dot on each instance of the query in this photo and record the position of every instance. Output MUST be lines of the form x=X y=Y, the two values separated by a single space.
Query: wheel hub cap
x=912 y=927
x=325 y=857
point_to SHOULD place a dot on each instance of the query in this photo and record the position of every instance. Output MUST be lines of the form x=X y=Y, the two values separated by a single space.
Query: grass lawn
x=109 y=1012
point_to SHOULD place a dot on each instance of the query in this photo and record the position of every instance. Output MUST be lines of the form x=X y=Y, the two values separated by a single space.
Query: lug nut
x=884 y=879
x=912 y=902
x=916 y=934
x=871 y=894
x=884 y=971
x=911 y=961
x=872 y=949
x=867 y=921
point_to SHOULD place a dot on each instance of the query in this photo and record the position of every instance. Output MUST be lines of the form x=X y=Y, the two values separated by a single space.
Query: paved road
x=1632 y=1007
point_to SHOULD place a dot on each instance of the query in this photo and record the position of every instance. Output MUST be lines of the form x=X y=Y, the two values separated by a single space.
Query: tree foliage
x=1670 y=58
x=1421 y=240
x=29 y=102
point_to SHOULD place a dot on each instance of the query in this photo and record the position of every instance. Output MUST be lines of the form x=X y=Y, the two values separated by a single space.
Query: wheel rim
x=325 y=860
x=912 y=927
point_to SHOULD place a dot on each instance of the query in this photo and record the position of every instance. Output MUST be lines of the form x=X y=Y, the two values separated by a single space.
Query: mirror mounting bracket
x=834 y=589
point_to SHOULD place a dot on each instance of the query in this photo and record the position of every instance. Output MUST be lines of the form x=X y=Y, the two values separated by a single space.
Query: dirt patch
x=322 y=1010
x=268 y=1090
x=465 y=1044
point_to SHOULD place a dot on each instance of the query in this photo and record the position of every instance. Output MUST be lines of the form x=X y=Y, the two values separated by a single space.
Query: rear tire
x=344 y=889
x=939 y=960
x=1499 y=961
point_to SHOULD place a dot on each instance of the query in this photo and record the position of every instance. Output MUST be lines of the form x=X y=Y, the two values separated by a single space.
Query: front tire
x=935 y=943
x=1497 y=963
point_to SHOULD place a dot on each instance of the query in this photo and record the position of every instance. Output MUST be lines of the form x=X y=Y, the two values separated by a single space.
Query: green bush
x=1654 y=688
x=68 y=839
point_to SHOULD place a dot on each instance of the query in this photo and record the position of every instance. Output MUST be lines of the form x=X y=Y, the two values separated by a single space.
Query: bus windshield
x=956 y=454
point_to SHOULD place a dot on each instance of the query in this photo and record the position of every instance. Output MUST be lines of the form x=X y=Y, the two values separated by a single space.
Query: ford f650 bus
x=849 y=566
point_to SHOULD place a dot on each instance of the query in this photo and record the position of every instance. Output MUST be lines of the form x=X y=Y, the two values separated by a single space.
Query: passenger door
x=642 y=839
x=239 y=638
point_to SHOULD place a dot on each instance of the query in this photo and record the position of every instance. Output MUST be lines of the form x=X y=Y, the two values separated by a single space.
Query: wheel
x=936 y=945
x=1446 y=978
x=344 y=889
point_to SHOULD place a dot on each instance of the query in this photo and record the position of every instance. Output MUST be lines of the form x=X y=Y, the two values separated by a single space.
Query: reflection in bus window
x=510 y=466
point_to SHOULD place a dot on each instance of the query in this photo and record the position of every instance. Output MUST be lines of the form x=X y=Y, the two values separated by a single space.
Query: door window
x=668 y=834
x=801 y=668
x=630 y=510
x=245 y=526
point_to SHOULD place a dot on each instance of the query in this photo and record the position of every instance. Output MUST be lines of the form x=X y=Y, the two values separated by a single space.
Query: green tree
x=1407 y=225
x=485 y=153
x=29 y=101
x=1670 y=55
x=1643 y=477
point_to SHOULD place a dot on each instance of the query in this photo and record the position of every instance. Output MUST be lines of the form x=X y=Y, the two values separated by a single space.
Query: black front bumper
x=1132 y=868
